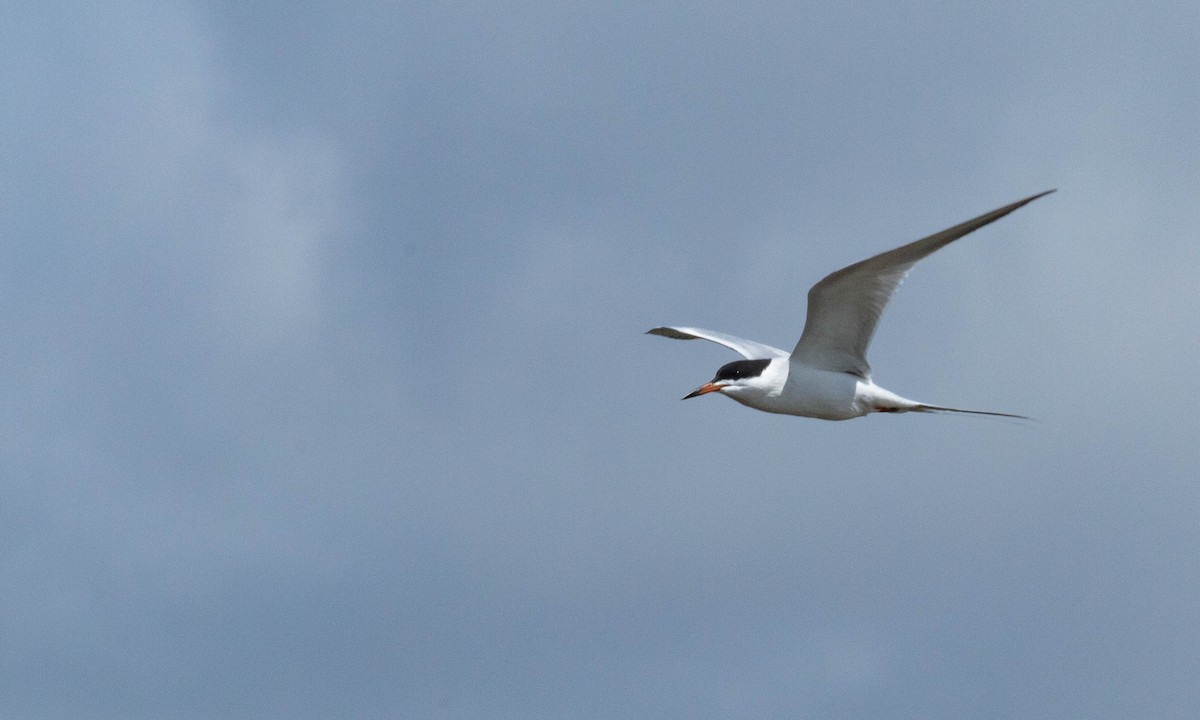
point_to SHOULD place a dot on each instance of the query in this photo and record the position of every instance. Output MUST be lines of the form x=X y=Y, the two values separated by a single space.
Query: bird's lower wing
x=746 y=348
x=844 y=308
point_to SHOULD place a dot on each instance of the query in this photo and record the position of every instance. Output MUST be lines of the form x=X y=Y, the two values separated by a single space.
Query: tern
x=826 y=376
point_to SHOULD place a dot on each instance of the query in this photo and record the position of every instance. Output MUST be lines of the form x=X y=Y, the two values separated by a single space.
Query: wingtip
x=670 y=332
x=1024 y=201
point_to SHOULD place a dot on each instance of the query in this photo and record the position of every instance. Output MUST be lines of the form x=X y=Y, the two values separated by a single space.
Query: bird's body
x=787 y=387
x=829 y=395
x=826 y=375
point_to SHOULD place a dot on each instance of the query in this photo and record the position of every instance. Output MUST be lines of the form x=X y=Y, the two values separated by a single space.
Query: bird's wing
x=746 y=348
x=844 y=308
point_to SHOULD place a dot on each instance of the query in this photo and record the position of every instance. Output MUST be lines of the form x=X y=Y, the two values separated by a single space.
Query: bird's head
x=740 y=377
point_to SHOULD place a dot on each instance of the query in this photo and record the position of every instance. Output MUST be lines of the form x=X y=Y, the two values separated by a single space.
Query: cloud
x=326 y=391
x=146 y=176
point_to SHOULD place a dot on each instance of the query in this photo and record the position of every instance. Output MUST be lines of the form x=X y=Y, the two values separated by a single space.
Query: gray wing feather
x=844 y=308
x=746 y=348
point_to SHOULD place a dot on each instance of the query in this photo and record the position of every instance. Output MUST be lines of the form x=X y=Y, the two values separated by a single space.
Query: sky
x=326 y=392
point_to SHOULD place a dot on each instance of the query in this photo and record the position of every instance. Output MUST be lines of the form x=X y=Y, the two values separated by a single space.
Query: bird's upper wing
x=746 y=348
x=844 y=308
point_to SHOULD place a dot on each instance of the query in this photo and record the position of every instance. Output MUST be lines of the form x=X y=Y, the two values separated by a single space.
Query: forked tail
x=939 y=409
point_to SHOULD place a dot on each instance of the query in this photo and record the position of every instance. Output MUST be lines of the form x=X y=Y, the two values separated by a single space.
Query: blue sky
x=326 y=393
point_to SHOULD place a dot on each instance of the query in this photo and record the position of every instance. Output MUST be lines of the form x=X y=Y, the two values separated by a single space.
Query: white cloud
x=283 y=212
x=151 y=176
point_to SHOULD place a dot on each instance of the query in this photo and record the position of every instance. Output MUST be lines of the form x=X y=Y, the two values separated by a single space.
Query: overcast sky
x=325 y=392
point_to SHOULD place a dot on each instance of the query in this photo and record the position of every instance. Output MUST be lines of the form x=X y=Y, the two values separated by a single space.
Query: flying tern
x=826 y=375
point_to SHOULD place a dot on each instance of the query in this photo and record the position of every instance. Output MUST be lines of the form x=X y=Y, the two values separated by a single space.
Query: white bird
x=826 y=375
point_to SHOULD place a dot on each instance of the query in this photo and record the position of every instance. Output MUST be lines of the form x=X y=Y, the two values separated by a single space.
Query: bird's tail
x=939 y=409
